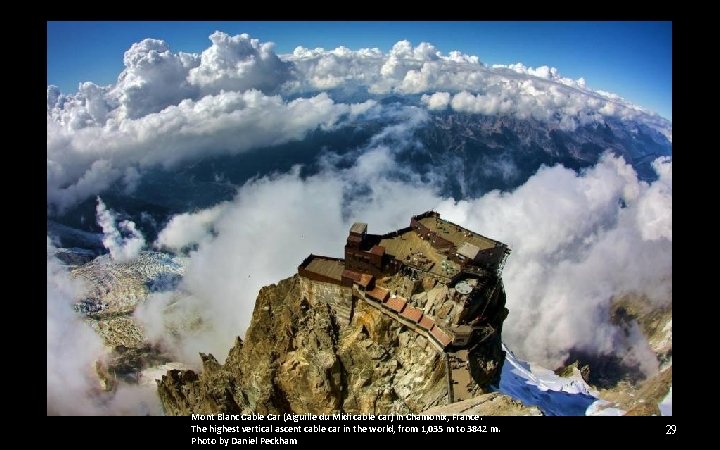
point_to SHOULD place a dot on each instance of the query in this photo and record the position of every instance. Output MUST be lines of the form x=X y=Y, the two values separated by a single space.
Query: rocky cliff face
x=305 y=353
x=641 y=397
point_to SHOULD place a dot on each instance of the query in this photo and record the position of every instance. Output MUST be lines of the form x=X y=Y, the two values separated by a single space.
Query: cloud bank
x=525 y=92
x=82 y=162
x=170 y=107
x=575 y=247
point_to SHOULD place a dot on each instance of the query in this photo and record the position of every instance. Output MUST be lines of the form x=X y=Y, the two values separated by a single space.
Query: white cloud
x=238 y=63
x=261 y=237
x=553 y=103
x=655 y=209
x=546 y=72
x=97 y=177
x=574 y=248
x=320 y=70
x=540 y=92
x=436 y=101
x=189 y=228
x=72 y=346
x=73 y=387
x=168 y=107
x=153 y=79
x=480 y=104
x=122 y=248
x=85 y=161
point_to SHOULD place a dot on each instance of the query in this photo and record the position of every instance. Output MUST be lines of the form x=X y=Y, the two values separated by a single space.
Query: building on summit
x=431 y=249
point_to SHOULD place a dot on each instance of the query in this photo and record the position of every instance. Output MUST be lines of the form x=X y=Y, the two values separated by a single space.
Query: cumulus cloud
x=545 y=72
x=558 y=105
x=319 y=69
x=438 y=100
x=73 y=387
x=153 y=79
x=167 y=107
x=526 y=92
x=575 y=247
x=86 y=161
x=187 y=229
x=404 y=69
x=238 y=63
x=122 y=248
x=480 y=104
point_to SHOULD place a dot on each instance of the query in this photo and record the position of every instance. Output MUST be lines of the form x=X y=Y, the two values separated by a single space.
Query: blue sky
x=631 y=59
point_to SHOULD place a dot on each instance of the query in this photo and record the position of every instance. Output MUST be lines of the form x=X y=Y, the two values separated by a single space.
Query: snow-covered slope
x=554 y=395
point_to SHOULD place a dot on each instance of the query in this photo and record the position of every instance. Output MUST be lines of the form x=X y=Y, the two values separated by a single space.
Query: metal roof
x=328 y=267
x=468 y=250
x=358 y=228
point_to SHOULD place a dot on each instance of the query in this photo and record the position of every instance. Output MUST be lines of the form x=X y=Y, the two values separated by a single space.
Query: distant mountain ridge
x=461 y=155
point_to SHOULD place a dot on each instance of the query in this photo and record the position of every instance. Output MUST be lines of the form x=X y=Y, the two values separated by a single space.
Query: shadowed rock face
x=300 y=356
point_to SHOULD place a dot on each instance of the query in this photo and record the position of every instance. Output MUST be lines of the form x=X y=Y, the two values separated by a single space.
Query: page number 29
x=670 y=429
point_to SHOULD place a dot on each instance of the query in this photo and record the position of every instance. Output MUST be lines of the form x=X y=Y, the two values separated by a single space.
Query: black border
x=166 y=430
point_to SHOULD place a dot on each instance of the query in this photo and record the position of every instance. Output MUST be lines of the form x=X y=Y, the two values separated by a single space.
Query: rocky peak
x=379 y=332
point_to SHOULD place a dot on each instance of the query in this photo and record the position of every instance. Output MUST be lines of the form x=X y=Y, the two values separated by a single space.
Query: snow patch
x=666 y=404
x=155 y=373
x=603 y=408
x=536 y=386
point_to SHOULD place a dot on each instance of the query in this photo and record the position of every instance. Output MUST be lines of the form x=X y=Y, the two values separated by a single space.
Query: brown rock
x=302 y=355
